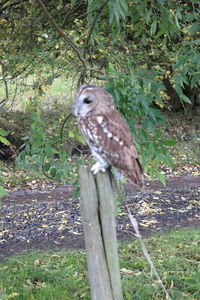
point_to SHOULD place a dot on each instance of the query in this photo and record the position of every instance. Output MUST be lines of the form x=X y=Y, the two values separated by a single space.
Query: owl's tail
x=130 y=166
x=135 y=174
x=139 y=175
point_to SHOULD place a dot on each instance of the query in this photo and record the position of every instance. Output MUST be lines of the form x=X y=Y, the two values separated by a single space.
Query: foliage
x=146 y=50
x=160 y=35
x=4 y=141
x=43 y=149
x=63 y=275
x=3 y=138
x=40 y=151
x=135 y=95
x=2 y=192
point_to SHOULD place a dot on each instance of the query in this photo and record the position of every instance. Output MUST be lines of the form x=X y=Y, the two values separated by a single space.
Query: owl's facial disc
x=85 y=103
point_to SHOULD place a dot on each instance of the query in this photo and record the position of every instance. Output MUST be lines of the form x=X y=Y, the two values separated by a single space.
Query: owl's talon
x=97 y=167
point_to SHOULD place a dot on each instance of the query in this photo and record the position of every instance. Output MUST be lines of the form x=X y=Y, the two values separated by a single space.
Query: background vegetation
x=63 y=275
x=146 y=53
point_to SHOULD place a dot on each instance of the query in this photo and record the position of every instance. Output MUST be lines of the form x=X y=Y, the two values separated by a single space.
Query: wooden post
x=98 y=216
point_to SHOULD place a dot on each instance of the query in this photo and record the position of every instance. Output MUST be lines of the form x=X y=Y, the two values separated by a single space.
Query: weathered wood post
x=98 y=216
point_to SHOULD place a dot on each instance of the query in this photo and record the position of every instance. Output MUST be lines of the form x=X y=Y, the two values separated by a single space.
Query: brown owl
x=106 y=133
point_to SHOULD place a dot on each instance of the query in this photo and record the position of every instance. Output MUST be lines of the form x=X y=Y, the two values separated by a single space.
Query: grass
x=27 y=97
x=185 y=129
x=63 y=275
x=187 y=152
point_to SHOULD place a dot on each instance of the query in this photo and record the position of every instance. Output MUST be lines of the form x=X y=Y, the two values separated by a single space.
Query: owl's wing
x=111 y=136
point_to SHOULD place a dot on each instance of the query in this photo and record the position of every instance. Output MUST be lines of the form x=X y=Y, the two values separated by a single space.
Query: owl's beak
x=76 y=109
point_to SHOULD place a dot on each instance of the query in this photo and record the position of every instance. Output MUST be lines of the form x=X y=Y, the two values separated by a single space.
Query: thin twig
x=146 y=253
x=98 y=13
x=138 y=235
x=4 y=78
x=85 y=14
x=14 y=96
x=76 y=8
x=96 y=71
x=61 y=33
x=4 y=7
x=70 y=42
x=68 y=117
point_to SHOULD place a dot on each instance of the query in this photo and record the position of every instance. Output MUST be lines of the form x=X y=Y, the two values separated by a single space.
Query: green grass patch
x=187 y=152
x=63 y=275
x=26 y=94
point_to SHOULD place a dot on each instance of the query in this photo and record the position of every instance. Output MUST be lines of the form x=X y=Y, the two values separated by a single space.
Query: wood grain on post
x=98 y=216
x=98 y=273
x=108 y=227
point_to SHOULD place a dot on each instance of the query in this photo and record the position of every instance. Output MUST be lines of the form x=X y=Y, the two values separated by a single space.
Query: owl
x=106 y=133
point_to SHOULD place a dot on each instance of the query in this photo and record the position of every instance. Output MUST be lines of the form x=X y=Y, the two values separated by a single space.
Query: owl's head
x=90 y=98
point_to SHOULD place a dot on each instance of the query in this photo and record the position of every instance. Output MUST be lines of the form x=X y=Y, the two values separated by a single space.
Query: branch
x=13 y=100
x=10 y=4
x=4 y=79
x=17 y=74
x=80 y=16
x=146 y=253
x=61 y=33
x=70 y=42
x=68 y=117
x=138 y=235
x=98 y=13
x=86 y=13
x=96 y=71
x=73 y=10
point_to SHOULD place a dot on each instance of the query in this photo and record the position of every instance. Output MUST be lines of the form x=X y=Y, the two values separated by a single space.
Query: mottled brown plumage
x=106 y=133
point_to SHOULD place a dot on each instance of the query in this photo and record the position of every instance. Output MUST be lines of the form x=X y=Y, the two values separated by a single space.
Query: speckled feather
x=107 y=134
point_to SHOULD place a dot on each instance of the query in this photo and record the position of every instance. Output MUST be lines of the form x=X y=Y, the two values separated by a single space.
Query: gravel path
x=50 y=218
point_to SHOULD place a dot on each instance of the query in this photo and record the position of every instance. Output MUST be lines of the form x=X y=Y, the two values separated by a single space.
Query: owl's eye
x=87 y=101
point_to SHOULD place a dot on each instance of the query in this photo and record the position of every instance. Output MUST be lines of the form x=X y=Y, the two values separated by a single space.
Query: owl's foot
x=98 y=167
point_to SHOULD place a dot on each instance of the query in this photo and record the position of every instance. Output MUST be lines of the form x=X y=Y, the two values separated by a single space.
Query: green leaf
x=169 y=142
x=25 y=138
x=194 y=28
x=49 y=150
x=27 y=149
x=46 y=167
x=177 y=22
x=3 y=192
x=159 y=34
x=4 y=141
x=81 y=139
x=3 y=132
x=148 y=15
x=166 y=159
x=34 y=116
x=128 y=295
x=66 y=171
x=161 y=178
x=71 y=134
x=53 y=172
x=23 y=155
x=153 y=27
x=155 y=162
x=35 y=167
x=185 y=98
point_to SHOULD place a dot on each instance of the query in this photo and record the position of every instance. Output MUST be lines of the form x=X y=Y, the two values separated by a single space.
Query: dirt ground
x=49 y=218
